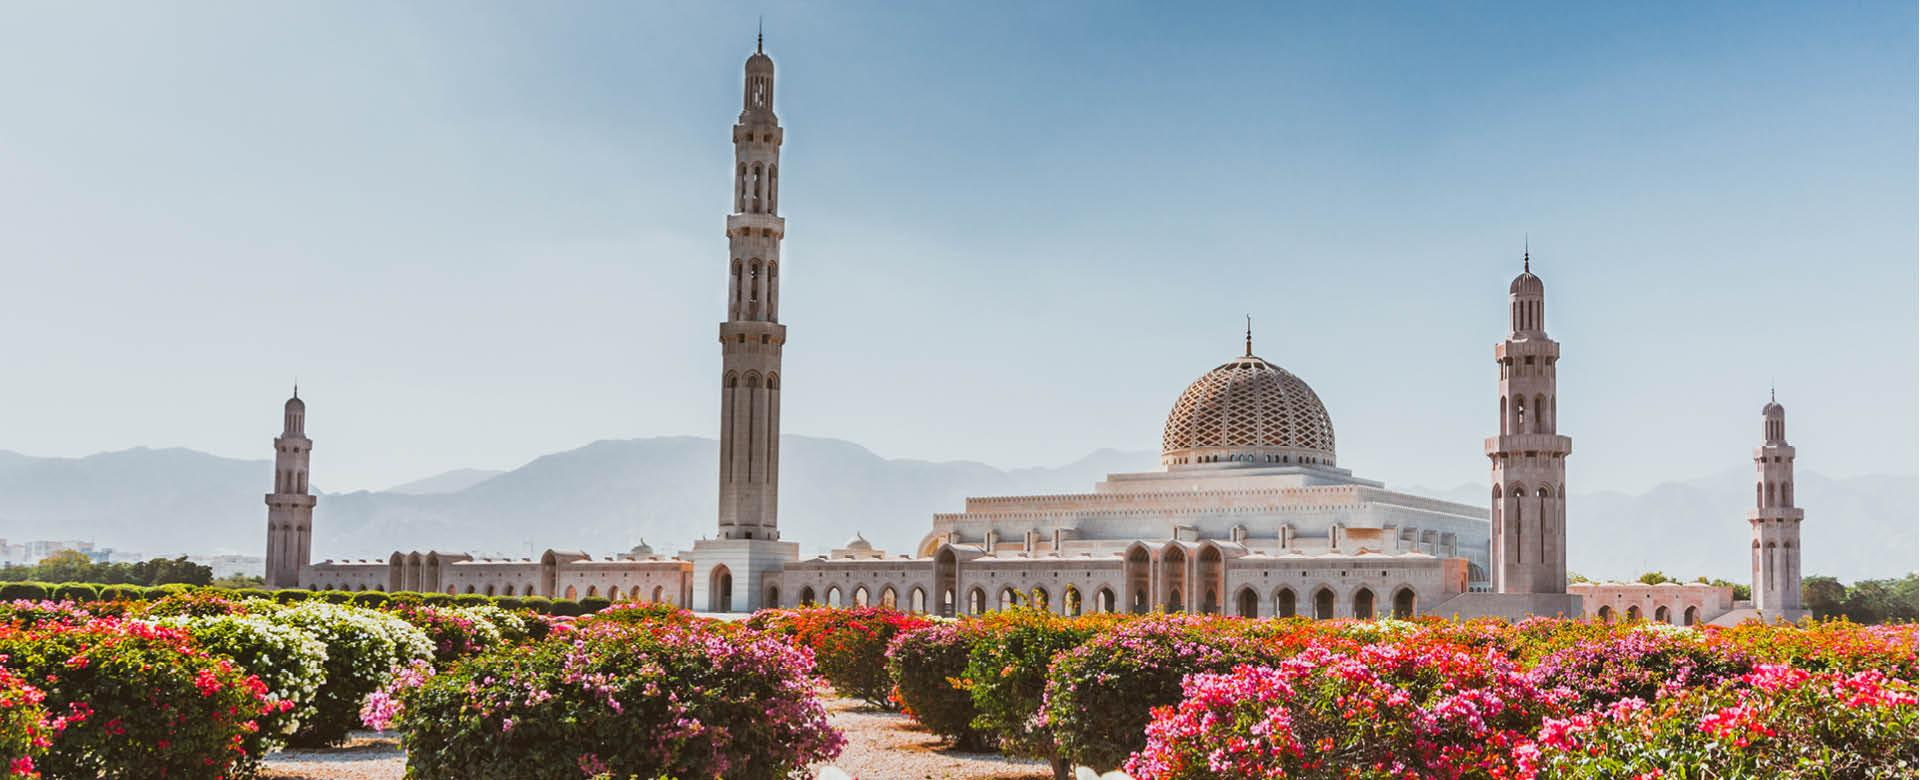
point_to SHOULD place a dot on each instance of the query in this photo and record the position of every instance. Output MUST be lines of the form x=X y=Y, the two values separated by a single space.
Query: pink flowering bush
x=454 y=634
x=650 y=699
x=1640 y=664
x=129 y=698
x=1388 y=711
x=25 y=733
x=1775 y=721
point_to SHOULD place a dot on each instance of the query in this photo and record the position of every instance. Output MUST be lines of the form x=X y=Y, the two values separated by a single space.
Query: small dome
x=759 y=63
x=642 y=550
x=1526 y=284
x=294 y=404
x=859 y=542
x=1248 y=411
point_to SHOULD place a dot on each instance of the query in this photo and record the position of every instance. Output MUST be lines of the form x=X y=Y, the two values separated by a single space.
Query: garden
x=182 y=682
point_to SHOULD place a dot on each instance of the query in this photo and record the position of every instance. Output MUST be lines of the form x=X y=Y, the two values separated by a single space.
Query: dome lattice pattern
x=1249 y=403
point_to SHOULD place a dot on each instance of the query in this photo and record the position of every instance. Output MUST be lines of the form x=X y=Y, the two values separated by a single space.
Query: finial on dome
x=1526 y=252
x=760 y=38
x=1771 y=396
x=296 y=389
x=1249 y=335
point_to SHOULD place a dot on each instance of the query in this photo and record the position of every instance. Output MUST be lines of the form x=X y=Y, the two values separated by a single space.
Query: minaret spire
x=760 y=39
x=1249 y=335
x=1526 y=252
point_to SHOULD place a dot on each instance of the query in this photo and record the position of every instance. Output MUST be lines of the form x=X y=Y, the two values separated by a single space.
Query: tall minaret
x=739 y=570
x=752 y=337
x=1775 y=520
x=1529 y=541
x=290 y=505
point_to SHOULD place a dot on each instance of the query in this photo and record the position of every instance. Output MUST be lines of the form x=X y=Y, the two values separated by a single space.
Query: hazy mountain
x=607 y=495
x=450 y=482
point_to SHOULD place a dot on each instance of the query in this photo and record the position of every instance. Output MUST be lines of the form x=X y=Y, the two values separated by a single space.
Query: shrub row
x=1209 y=697
x=88 y=592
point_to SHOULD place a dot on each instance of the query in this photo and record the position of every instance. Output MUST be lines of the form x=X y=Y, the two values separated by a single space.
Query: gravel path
x=888 y=746
x=367 y=755
x=880 y=746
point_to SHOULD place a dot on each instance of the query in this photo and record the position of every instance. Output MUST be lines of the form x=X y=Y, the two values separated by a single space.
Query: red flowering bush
x=927 y=666
x=24 y=730
x=1776 y=721
x=849 y=645
x=1834 y=646
x=1007 y=675
x=34 y=614
x=666 y=699
x=132 y=699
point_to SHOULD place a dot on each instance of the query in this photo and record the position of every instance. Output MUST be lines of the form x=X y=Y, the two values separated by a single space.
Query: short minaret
x=739 y=570
x=1775 y=520
x=1529 y=457
x=290 y=505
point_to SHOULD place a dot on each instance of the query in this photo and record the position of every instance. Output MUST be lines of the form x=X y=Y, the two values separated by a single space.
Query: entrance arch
x=1070 y=601
x=720 y=589
x=1662 y=615
x=1103 y=600
x=976 y=602
x=1605 y=614
x=1691 y=616
x=806 y=596
x=1173 y=572
x=1323 y=604
x=946 y=579
x=1139 y=569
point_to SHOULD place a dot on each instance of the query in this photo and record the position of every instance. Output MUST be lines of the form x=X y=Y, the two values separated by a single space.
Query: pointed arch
x=1247 y=603
x=720 y=589
x=1285 y=604
x=1363 y=603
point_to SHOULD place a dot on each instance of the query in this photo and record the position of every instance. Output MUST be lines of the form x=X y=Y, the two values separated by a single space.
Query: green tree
x=1655 y=578
x=1824 y=596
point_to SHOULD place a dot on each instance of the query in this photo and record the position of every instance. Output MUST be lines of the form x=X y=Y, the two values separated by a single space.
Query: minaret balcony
x=1516 y=444
x=755 y=224
x=1522 y=348
x=1776 y=514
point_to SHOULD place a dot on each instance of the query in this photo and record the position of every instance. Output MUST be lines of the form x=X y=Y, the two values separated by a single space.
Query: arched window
x=1009 y=598
x=740 y=190
x=1247 y=603
x=1540 y=414
x=490 y=590
x=1070 y=601
x=1403 y=603
x=976 y=601
x=888 y=598
x=1662 y=615
x=571 y=592
x=1691 y=616
x=1633 y=613
x=1363 y=604
x=833 y=596
x=720 y=589
x=613 y=593
x=1103 y=600
x=1284 y=604
x=806 y=596
x=1605 y=614
x=917 y=600
x=773 y=189
x=773 y=598
x=756 y=187
x=1323 y=604
x=657 y=593
x=1520 y=414
x=1786 y=494
x=593 y=591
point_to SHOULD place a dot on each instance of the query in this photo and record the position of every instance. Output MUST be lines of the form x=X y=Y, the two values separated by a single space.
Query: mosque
x=1250 y=513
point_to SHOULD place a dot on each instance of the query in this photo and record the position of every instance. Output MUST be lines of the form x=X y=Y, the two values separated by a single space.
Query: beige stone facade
x=1689 y=604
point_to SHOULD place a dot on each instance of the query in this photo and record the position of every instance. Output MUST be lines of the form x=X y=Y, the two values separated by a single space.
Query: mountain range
x=608 y=495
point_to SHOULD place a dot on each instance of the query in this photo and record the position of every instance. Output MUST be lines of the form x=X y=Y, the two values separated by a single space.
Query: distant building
x=1250 y=513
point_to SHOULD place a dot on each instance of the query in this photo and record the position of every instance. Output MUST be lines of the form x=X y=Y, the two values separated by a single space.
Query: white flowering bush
x=506 y=624
x=291 y=663
x=364 y=647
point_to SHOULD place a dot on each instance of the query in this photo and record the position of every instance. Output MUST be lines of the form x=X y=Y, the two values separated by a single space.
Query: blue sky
x=478 y=233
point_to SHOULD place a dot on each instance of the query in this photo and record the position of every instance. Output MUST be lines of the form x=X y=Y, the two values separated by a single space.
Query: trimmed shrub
x=652 y=700
x=334 y=596
x=565 y=608
x=289 y=661
x=926 y=666
x=593 y=604
x=469 y=600
x=291 y=595
x=372 y=599
x=437 y=599
x=77 y=592
x=23 y=591
x=132 y=699
x=364 y=648
x=1007 y=675
x=121 y=593
x=1100 y=695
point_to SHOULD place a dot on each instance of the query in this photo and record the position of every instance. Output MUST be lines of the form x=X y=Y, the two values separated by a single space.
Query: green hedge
x=84 y=591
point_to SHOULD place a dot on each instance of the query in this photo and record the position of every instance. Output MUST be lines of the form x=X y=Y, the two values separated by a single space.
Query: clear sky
x=478 y=233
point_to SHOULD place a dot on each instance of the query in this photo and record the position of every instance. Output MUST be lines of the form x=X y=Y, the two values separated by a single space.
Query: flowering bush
x=1639 y=664
x=33 y=614
x=133 y=699
x=364 y=647
x=1099 y=696
x=1835 y=646
x=454 y=631
x=1436 y=710
x=849 y=645
x=1007 y=674
x=926 y=666
x=1776 y=721
x=291 y=663
x=24 y=730
x=664 y=699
